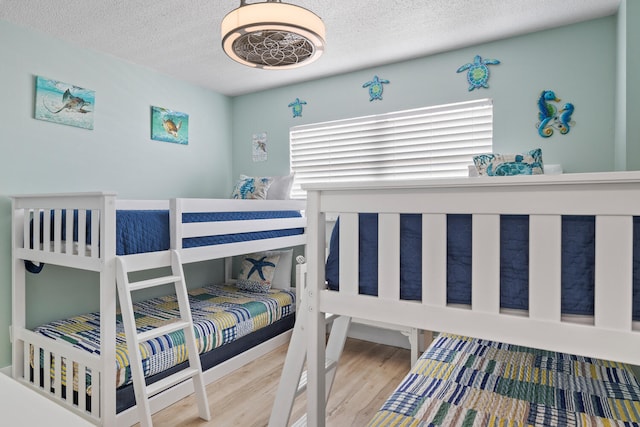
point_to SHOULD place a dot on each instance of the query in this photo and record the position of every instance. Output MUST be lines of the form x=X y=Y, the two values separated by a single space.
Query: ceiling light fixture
x=272 y=35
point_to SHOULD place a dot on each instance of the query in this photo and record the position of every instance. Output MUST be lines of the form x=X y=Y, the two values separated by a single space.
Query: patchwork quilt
x=221 y=314
x=462 y=381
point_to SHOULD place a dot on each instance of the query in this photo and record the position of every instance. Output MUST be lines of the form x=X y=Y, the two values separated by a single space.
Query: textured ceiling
x=182 y=38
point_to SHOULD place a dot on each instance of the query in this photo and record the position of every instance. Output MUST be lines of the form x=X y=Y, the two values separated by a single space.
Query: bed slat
x=213 y=228
x=57 y=226
x=349 y=264
x=614 y=272
x=68 y=237
x=36 y=229
x=25 y=361
x=46 y=371
x=46 y=230
x=82 y=231
x=96 y=393
x=57 y=367
x=95 y=233
x=36 y=366
x=545 y=248
x=485 y=268
x=82 y=386
x=388 y=256
x=434 y=254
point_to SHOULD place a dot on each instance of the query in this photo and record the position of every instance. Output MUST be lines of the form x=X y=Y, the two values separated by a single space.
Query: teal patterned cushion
x=510 y=164
x=251 y=187
x=257 y=271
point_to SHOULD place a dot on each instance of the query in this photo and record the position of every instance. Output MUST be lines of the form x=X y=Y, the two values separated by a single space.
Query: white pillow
x=282 y=276
x=280 y=188
x=553 y=169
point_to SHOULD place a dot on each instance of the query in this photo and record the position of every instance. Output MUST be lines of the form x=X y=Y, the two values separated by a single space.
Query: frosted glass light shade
x=272 y=35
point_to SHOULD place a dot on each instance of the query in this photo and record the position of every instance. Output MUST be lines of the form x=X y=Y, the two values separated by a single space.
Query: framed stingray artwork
x=64 y=103
x=169 y=126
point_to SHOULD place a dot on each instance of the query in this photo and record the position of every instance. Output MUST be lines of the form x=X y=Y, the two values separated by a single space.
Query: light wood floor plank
x=367 y=374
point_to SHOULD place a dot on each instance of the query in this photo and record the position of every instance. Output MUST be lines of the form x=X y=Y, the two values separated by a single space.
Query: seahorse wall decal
x=565 y=118
x=546 y=112
x=548 y=115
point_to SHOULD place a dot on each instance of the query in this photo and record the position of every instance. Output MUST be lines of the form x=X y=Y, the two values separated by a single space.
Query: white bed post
x=18 y=293
x=316 y=401
x=175 y=219
x=108 y=310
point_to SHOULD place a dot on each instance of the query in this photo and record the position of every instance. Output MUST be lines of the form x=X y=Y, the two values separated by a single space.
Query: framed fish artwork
x=169 y=126
x=64 y=103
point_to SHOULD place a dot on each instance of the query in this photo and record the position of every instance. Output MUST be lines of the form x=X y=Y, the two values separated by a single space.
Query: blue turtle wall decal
x=478 y=72
x=296 y=107
x=375 y=88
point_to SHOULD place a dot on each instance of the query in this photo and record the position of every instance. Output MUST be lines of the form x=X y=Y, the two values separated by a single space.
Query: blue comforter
x=578 y=254
x=139 y=231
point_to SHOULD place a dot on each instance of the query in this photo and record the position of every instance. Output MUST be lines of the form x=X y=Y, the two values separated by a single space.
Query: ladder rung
x=171 y=380
x=302 y=385
x=163 y=330
x=143 y=284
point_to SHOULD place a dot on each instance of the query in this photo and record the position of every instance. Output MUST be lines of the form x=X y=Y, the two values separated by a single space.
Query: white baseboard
x=6 y=370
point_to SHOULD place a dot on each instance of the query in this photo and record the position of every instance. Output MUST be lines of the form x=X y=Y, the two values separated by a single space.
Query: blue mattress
x=139 y=231
x=148 y=231
x=578 y=254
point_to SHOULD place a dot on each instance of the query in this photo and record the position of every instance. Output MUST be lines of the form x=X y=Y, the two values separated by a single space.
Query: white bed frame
x=100 y=257
x=613 y=198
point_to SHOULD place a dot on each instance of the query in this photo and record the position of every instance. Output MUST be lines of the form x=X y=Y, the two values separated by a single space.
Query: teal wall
x=578 y=62
x=118 y=155
x=631 y=18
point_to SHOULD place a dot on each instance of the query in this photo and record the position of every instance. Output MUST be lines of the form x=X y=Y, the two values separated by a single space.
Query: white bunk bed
x=42 y=233
x=613 y=199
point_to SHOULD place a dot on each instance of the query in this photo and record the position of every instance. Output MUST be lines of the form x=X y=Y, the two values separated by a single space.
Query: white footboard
x=613 y=198
x=66 y=375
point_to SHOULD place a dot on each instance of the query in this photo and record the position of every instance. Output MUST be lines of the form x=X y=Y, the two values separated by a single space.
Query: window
x=438 y=141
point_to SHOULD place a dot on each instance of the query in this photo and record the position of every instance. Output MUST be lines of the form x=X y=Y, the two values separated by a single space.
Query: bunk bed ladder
x=185 y=323
x=293 y=381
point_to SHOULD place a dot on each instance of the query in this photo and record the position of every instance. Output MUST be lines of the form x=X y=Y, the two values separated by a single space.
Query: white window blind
x=438 y=141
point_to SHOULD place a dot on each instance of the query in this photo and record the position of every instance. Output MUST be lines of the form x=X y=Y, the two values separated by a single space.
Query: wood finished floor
x=367 y=374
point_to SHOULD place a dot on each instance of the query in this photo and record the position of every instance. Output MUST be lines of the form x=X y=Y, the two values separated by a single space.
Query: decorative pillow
x=251 y=187
x=510 y=164
x=280 y=188
x=256 y=272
